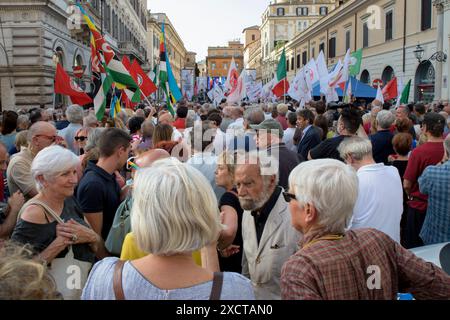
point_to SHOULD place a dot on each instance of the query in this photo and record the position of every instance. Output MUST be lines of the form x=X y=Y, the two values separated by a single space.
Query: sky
x=208 y=23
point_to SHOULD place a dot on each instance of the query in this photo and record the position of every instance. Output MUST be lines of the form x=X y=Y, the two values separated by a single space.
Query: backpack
x=121 y=226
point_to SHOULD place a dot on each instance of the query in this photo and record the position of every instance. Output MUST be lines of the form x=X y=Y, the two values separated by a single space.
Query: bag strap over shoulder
x=117 y=280
x=216 y=289
x=44 y=206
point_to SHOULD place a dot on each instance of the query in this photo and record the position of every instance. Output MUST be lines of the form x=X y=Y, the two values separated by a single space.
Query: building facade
x=176 y=50
x=36 y=34
x=282 y=21
x=219 y=59
x=252 y=50
x=203 y=69
x=389 y=32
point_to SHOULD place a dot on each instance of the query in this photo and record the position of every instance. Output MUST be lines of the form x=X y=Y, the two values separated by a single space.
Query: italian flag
x=282 y=85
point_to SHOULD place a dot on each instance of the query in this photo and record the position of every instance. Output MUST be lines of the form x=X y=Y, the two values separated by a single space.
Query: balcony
x=130 y=49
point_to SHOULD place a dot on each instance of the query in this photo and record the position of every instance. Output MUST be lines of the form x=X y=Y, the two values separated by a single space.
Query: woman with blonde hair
x=230 y=240
x=23 y=277
x=174 y=213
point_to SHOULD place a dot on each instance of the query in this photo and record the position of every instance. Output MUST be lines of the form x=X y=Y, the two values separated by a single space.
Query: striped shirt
x=365 y=264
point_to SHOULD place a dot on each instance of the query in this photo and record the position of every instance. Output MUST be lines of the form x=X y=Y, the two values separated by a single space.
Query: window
x=298 y=61
x=332 y=48
x=225 y=66
x=365 y=35
x=323 y=11
x=389 y=17
x=347 y=39
x=302 y=11
x=280 y=12
x=287 y=64
x=253 y=37
x=426 y=14
x=313 y=52
x=304 y=57
x=322 y=47
x=292 y=63
x=213 y=66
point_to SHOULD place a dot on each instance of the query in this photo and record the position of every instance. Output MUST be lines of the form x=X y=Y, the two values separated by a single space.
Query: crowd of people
x=257 y=201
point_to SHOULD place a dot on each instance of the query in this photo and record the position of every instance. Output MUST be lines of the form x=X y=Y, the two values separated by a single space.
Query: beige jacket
x=262 y=264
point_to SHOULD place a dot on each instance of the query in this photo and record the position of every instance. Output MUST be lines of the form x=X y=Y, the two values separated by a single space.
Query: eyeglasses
x=51 y=138
x=288 y=197
x=80 y=138
x=131 y=164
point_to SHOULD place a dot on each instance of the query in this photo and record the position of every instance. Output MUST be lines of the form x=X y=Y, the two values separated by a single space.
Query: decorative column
x=439 y=4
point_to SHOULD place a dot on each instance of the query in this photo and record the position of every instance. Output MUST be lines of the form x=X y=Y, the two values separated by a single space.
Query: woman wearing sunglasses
x=81 y=139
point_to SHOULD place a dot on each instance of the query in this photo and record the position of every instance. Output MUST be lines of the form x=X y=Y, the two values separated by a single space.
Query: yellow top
x=130 y=251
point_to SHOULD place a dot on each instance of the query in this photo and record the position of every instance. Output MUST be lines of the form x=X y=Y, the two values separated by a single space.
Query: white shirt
x=288 y=139
x=237 y=124
x=219 y=142
x=176 y=134
x=380 y=200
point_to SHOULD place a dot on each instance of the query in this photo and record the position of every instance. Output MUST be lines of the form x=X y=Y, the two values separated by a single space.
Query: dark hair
x=307 y=115
x=402 y=143
x=320 y=107
x=419 y=108
x=352 y=120
x=9 y=121
x=216 y=118
x=322 y=122
x=403 y=125
x=111 y=139
x=292 y=118
x=182 y=112
x=134 y=124
x=435 y=124
x=35 y=116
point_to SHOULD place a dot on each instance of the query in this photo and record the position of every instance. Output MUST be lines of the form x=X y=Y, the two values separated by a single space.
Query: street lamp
x=439 y=56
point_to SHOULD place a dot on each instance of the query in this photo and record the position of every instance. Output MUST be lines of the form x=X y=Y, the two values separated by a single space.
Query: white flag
x=323 y=72
x=380 y=96
x=233 y=75
x=239 y=92
x=312 y=73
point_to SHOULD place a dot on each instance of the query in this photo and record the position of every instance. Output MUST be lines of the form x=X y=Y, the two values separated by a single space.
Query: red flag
x=126 y=62
x=281 y=88
x=390 y=91
x=145 y=84
x=66 y=86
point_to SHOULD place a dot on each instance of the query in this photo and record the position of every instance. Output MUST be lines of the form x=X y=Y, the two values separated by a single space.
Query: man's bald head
x=166 y=118
x=146 y=159
x=41 y=135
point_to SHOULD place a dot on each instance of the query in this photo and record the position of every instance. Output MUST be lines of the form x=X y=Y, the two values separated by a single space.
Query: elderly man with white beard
x=268 y=236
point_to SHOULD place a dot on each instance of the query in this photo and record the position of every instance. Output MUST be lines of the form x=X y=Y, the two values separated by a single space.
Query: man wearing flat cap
x=269 y=137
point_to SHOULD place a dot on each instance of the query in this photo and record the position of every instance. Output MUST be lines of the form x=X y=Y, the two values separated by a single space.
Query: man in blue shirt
x=435 y=182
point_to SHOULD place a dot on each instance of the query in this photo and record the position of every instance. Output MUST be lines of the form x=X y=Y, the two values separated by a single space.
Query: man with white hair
x=40 y=135
x=268 y=237
x=382 y=140
x=74 y=115
x=334 y=264
x=435 y=182
x=380 y=194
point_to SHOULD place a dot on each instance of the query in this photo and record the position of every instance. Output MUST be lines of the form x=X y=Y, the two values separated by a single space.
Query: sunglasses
x=131 y=164
x=80 y=138
x=288 y=197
